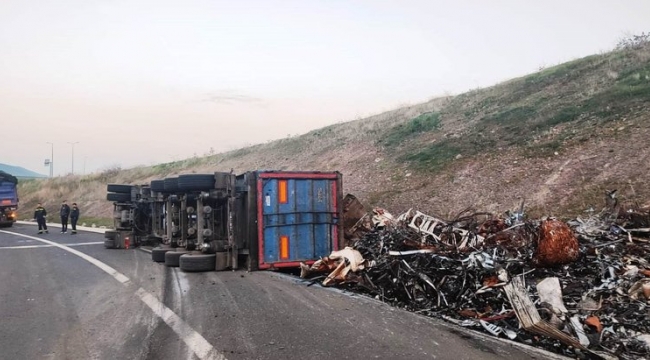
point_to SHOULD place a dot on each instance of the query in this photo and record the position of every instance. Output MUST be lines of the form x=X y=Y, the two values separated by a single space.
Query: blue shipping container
x=298 y=217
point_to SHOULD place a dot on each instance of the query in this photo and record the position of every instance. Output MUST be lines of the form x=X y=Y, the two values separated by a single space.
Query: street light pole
x=72 y=167
x=51 y=160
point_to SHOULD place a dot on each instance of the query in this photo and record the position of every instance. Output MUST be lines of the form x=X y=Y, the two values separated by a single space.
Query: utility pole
x=72 y=167
x=51 y=160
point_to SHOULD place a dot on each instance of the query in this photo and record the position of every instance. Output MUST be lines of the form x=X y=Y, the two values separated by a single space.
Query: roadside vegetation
x=556 y=138
x=420 y=124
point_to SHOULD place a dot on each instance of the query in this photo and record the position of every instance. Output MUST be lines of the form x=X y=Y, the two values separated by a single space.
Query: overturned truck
x=256 y=220
x=132 y=219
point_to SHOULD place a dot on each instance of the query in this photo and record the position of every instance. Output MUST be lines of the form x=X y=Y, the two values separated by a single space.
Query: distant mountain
x=20 y=172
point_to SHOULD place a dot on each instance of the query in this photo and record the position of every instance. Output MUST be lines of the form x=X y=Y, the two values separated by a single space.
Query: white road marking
x=26 y=247
x=86 y=243
x=201 y=347
x=194 y=341
x=47 y=246
x=109 y=270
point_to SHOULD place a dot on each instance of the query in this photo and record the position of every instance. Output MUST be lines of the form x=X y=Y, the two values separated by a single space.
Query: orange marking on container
x=284 y=247
x=283 y=196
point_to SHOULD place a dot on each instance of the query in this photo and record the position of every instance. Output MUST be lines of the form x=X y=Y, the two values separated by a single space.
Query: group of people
x=66 y=214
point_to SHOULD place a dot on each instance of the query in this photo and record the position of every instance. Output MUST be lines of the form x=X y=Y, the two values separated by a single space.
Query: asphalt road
x=118 y=304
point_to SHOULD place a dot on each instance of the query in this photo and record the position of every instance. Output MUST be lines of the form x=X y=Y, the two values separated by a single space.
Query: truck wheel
x=118 y=197
x=196 y=182
x=197 y=262
x=157 y=185
x=6 y=224
x=109 y=243
x=110 y=234
x=172 y=258
x=119 y=188
x=171 y=184
x=158 y=254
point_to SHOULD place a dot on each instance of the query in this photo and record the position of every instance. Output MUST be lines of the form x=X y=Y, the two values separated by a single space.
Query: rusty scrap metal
x=337 y=265
x=356 y=221
x=528 y=315
x=557 y=245
x=588 y=284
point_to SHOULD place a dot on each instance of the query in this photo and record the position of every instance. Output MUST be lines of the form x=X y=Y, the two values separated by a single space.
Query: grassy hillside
x=556 y=138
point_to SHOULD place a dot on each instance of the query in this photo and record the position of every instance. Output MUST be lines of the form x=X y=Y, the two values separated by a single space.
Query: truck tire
x=196 y=182
x=109 y=243
x=119 y=188
x=158 y=254
x=118 y=197
x=110 y=234
x=172 y=258
x=171 y=184
x=6 y=224
x=157 y=185
x=197 y=262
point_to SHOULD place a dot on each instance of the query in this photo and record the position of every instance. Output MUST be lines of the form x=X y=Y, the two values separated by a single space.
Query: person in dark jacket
x=40 y=214
x=65 y=213
x=74 y=217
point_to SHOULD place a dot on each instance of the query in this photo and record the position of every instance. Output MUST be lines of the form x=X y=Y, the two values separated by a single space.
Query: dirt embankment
x=557 y=138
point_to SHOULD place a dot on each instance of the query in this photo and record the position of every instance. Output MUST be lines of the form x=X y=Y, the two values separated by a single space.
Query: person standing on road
x=74 y=217
x=40 y=214
x=65 y=213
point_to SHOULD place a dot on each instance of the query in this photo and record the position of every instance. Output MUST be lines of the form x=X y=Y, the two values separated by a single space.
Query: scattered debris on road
x=579 y=288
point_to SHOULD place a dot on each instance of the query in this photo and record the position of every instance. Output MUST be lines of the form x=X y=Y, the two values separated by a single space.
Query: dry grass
x=490 y=149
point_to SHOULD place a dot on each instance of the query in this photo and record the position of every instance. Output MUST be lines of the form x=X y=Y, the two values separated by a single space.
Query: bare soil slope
x=557 y=138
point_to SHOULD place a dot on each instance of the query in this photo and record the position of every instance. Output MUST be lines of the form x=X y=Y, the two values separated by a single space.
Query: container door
x=8 y=194
x=299 y=219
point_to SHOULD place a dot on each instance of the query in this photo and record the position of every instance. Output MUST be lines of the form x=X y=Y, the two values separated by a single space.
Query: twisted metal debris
x=580 y=288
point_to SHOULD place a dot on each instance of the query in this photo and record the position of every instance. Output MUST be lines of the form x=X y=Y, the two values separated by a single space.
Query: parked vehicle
x=256 y=220
x=8 y=199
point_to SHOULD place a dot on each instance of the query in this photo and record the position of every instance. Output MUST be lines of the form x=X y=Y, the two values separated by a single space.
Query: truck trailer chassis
x=256 y=220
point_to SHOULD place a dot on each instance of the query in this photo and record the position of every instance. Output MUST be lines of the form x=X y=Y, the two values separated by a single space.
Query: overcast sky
x=150 y=81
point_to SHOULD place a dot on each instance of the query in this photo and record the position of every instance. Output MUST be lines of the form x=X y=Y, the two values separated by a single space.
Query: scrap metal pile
x=580 y=288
